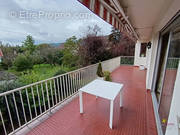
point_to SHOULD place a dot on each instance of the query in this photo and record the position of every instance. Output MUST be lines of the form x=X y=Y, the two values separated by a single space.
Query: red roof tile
x=1 y=54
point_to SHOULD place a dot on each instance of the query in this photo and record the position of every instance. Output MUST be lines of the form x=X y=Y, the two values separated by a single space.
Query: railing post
x=51 y=92
x=17 y=112
x=37 y=90
x=43 y=97
x=23 y=106
x=5 y=131
x=58 y=88
x=55 y=90
x=32 y=91
x=47 y=96
x=9 y=112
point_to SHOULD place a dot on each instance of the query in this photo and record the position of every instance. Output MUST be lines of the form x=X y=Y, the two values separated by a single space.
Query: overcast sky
x=48 y=21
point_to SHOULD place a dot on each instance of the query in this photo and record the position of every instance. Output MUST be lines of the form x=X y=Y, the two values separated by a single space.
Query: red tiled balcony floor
x=135 y=118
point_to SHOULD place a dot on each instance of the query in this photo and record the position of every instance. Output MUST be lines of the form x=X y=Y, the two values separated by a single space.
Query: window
x=143 y=50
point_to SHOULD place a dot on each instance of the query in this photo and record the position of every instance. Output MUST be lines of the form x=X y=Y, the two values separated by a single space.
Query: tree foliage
x=70 y=51
x=28 y=44
x=9 y=54
x=115 y=36
x=93 y=30
x=22 y=62
x=94 y=49
x=50 y=54
x=120 y=44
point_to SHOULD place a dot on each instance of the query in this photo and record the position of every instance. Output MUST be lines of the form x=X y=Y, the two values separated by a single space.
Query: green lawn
x=38 y=73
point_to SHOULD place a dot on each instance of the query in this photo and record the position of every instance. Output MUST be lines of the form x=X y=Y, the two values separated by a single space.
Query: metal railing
x=21 y=106
x=172 y=63
x=127 y=60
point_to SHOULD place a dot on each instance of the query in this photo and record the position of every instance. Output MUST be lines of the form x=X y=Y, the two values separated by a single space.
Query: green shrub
x=22 y=62
x=36 y=58
x=10 y=85
x=29 y=77
x=107 y=76
x=3 y=66
x=99 y=71
x=59 y=72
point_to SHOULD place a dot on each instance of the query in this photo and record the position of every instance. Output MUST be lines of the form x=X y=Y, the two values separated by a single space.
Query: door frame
x=165 y=64
x=165 y=29
x=155 y=71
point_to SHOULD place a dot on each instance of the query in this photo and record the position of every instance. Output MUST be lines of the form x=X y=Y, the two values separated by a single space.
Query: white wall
x=151 y=59
x=139 y=60
x=172 y=127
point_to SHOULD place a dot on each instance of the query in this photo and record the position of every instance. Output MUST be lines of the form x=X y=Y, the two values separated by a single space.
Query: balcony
x=52 y=106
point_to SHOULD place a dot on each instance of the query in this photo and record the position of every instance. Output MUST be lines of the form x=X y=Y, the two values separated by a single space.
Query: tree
x=94 y=49
x=50 y=54
x=22 y=62
x=120 y=44
x=92 y=30
x=9 y=54
x=70 y=51
x=115 y=36
x=28 y=44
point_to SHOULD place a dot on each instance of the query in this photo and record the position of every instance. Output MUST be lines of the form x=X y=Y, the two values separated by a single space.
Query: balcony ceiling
x=135 y=18
x=144 y=15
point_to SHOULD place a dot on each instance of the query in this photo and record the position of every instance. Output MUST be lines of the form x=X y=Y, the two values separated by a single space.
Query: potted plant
x=99 y=72
x=107 y=76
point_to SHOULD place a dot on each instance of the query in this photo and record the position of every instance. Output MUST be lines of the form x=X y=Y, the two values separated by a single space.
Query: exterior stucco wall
x=151 y=59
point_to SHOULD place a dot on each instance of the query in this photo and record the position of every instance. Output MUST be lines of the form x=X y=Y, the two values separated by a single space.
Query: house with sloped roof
x=1 y=55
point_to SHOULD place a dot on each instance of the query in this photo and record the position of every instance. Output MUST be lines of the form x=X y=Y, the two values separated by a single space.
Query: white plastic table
x=104 y=89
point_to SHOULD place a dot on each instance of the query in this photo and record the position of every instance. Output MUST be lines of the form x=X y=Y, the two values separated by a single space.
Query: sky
x=48 y=21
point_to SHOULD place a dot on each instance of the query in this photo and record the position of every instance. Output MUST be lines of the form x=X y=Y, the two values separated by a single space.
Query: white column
x=151 y=60
x=111 y=114
x=137 y=53
x=81 y=101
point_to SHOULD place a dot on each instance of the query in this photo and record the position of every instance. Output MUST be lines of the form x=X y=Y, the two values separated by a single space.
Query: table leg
x=81 y=101
x=121 y=99
x=111 y=114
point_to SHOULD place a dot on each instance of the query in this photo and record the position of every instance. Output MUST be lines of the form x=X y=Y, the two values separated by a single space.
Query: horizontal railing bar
x=36 y=83
x=174 y=58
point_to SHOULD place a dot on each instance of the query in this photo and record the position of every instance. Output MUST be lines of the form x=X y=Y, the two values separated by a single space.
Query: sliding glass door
x=167 y=69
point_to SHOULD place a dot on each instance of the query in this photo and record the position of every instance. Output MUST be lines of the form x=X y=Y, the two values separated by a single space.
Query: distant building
x=1 y=55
